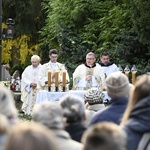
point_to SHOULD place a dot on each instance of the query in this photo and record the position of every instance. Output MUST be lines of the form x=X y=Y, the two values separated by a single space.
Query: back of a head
x=117 y=85
x=4 y=125
x=94 y=96
x=104 y=136
x=7 y=103
x=30 y=136
x=140 y=91
x=49 y=114
x=73 y=108
x=141 y=88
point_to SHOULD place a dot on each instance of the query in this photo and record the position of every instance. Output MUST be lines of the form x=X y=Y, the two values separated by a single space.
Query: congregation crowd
x=74 y=123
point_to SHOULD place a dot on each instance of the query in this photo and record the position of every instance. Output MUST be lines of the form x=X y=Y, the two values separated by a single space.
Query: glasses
x=90 y=58
x=53 y=56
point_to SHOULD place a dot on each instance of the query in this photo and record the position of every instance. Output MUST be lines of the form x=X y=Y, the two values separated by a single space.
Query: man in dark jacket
x=117 y=85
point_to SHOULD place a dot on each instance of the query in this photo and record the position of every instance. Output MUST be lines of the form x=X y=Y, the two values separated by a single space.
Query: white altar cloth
x=44 y=95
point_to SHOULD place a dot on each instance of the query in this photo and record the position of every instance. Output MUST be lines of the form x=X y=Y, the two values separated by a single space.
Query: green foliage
x=29 y=18
x=76 y=27
x=140 y=15
x=25 y=117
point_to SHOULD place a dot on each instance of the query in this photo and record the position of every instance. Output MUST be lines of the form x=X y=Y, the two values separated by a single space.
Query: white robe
x=43 y=75
x=79 y=77
x=28 y=94
x=110 y=69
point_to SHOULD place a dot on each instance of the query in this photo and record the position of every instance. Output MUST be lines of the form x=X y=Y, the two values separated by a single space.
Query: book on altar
x=83 y=82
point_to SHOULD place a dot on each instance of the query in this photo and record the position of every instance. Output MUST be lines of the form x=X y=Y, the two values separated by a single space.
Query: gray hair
x=7 y=103
x=36 y=57
x=73 y=108
x=49 y=114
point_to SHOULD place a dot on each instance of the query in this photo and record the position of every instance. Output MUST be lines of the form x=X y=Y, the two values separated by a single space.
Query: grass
x=22 y=116
x=25 y=117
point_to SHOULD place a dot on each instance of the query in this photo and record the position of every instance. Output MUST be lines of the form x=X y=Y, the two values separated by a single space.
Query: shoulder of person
x=28 y=67
x=45 y=65
x=97 y=64
x=40 y=65
x=97 y=117
x=60 y=64
x=114 y=65
x=144 y=143
x=80 y=66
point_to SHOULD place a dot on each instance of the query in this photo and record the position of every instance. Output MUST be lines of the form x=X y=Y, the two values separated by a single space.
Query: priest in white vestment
x=53 y=66
x=30 y=84
x=108 y=66
x=88 y=75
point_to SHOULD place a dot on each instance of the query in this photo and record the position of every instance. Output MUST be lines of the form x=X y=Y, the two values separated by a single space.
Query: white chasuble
x=79 y=77
x=28 y=94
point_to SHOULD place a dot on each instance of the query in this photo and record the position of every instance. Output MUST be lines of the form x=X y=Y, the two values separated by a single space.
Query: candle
x=64 y=79
x=56 y=78
x=133 y=77
x=49 y=78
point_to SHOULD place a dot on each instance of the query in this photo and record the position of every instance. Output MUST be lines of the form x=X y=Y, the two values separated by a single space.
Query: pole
x=0 y=40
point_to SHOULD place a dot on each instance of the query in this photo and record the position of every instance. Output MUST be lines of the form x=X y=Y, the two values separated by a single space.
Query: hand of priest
x=88 y=78
x=34 y=85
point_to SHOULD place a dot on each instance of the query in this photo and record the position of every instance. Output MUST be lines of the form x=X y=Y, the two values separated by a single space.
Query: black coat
x=76 y=131
x=138 y=123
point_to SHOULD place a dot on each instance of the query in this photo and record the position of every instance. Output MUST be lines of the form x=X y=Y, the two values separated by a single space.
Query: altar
x=44 y=95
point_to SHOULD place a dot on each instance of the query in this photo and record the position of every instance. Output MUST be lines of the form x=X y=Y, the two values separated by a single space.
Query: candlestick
x=127 y=71
x=133 y=70
x=64 y=89
x=56 y=88
x=64 y=79
x=120 y=68
x=133 y=77
x=56 y=79
x=49 y=78
x=127 y=74
x=49 y=88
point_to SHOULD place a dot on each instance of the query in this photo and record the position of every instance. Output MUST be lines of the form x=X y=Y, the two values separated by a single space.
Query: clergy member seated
x=88 y=75
x=56 y=70
x=108 y=66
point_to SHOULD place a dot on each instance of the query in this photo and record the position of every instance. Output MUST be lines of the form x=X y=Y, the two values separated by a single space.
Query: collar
x=53 y=62
x=36 y=67
x=119 y=100
x=94 y=65
x=102 y=64
x=61 y=133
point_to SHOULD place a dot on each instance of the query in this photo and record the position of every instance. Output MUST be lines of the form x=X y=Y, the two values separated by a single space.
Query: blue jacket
x=112 y=113
x=138 y=123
